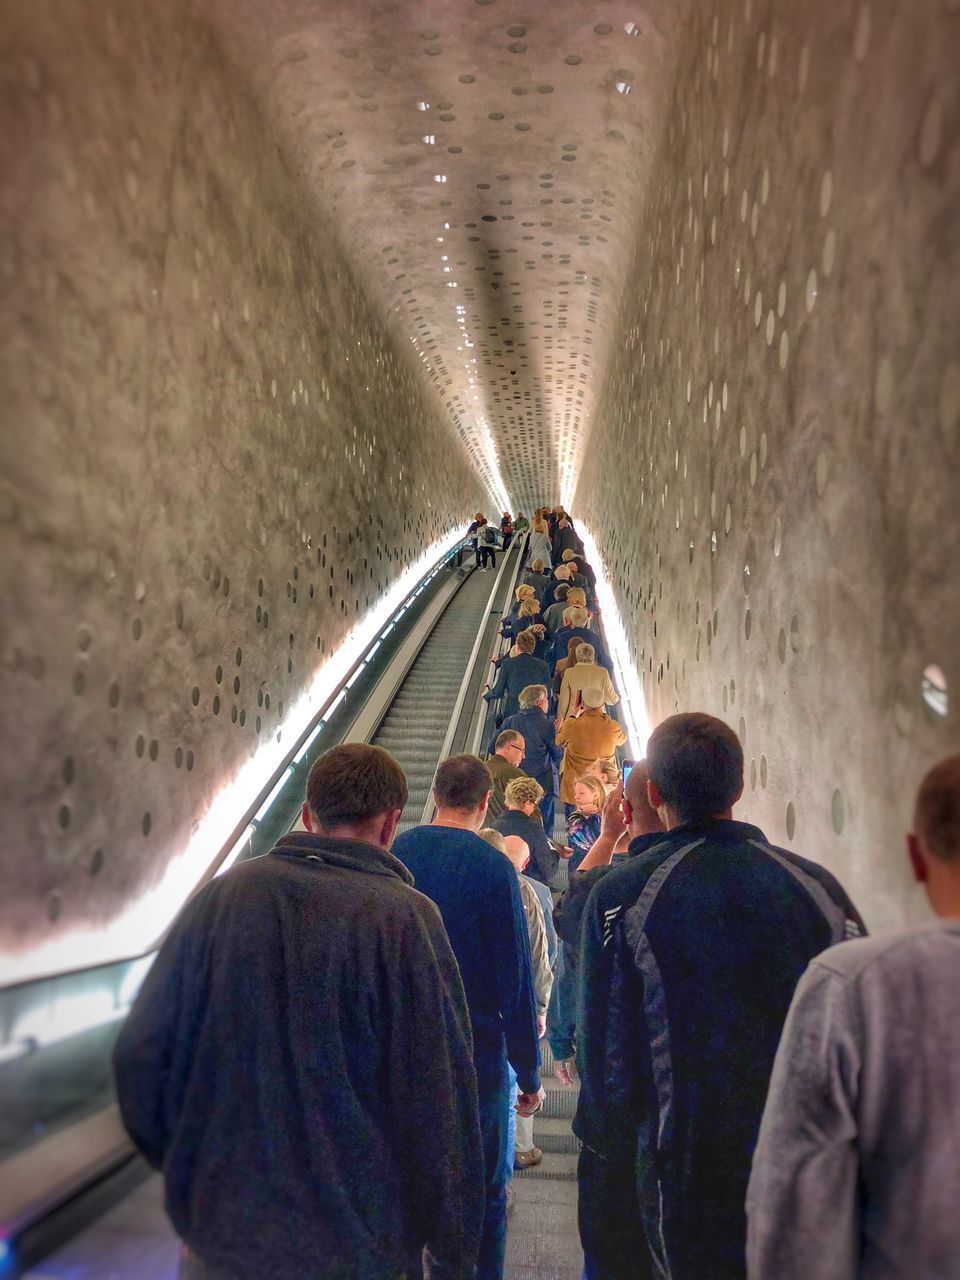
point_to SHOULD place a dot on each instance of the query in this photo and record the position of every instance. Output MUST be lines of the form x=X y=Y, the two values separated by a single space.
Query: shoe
x=511 y=1198
x=527 y=1159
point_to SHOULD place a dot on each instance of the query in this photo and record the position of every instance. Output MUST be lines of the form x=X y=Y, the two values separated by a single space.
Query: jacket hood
x=351 y=855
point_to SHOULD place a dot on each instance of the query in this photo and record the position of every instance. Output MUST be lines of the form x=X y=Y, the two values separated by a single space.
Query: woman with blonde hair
x=528 y=618
x=523 y=592
x=584 y=676
x=607 y=772
x=583 y=823
x=540 y=547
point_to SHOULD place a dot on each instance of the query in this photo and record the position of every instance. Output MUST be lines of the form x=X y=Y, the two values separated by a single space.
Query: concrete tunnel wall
x=775 y=467
x=217 y=457
x=200 y=397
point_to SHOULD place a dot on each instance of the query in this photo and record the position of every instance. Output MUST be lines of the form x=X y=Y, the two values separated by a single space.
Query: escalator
x=416 y=725
x=65 y=1160
x=419 y=699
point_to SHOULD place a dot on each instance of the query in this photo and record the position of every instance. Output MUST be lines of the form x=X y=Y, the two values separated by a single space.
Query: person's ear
x=389 y=828
x=626 y=809
x=738 y=797
x=918 y=863
x=653 y=795
x=307 y=817
x=485 y=802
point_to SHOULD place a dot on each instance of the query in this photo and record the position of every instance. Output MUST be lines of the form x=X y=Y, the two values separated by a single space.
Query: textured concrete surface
x=695 y=261
x=216 y=454
x=784 y=409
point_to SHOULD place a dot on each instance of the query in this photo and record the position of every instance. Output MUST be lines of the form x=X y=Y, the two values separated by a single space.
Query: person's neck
x=944 y=895
x=673 y=818
x=462 y=818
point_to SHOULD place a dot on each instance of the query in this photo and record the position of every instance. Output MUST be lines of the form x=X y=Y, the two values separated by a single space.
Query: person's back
x=516 y=673
x=857 y=1173
x=478 y=894
x=252 y=1069
x=714 y=927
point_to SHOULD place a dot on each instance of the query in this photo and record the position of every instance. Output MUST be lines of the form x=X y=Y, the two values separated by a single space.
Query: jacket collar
x=715 y=830
x=351 y=855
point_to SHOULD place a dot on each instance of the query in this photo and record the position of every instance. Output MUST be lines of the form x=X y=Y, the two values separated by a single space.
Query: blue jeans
x=547 y=806
x=493 y=1094
x=511 y=1122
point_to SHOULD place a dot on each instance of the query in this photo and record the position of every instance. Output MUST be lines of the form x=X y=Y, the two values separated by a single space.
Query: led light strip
x=633 y=705
x=143 y=922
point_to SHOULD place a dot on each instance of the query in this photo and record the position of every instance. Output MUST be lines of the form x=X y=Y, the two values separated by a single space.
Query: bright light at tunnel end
x=633 y=707
x=143 y=923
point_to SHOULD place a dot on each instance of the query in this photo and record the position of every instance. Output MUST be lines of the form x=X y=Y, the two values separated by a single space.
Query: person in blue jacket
x=515 y=673
x=477 y=892
x=541 y=754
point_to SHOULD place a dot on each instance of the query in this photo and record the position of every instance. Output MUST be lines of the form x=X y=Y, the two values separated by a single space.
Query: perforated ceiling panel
x=486 y=159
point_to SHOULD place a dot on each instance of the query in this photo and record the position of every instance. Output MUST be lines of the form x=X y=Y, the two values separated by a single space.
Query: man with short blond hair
x=856 y=1175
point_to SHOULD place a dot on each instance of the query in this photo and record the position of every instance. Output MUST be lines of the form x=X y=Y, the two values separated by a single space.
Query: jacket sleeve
x=500 y=686
x=509 y=948
x=563 y=702
x=542 y=853
x=550 y=741
x=610 y=695
x=539 y=957
x=433 y=1091
x=143 y=1057
x=803 y=1213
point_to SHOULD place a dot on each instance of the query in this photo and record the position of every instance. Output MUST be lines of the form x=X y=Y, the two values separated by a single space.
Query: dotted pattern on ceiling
x=489 y=170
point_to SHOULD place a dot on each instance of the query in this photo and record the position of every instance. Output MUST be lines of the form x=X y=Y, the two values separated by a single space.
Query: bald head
x=934 y=843
x=642 y=818
x=517 y=850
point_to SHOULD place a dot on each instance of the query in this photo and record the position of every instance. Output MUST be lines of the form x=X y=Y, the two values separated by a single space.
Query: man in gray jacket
x=856 y=1174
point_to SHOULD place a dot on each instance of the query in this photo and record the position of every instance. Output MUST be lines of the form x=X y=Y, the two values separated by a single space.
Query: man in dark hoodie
x=690 y=955
x=301 y=1029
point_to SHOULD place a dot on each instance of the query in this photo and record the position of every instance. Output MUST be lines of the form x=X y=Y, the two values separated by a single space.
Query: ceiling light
x=423 y=106
x=430 y=139
x=439 y=177
x=622 y=86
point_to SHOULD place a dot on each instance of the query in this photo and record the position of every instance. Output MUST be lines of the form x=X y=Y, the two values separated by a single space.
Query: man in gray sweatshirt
x=856 y=1174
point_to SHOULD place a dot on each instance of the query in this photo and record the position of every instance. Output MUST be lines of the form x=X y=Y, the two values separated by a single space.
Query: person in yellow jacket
x=585 y=738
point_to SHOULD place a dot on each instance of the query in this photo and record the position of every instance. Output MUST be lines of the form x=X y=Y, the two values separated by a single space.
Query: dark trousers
x=507 y=539
x=483 y=553
x=494 y=1097
x=476 y=551
x=547 y=805
x=611 y=1231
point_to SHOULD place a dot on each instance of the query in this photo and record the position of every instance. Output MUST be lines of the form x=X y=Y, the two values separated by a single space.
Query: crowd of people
x=335 y=1059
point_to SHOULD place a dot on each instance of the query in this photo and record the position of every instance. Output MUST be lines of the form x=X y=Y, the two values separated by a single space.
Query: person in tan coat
x=585 y=676
x=585 y=738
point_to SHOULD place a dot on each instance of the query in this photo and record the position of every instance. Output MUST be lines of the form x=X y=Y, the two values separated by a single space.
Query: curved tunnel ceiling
x=484 y=161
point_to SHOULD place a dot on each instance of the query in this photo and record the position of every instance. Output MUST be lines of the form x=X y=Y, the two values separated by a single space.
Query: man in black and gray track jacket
x=690 y=956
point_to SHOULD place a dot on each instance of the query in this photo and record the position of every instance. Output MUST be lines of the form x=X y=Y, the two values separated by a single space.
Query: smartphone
x=626 y=767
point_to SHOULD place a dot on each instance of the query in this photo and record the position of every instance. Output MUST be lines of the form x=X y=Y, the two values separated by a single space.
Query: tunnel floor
x=135 y=1241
